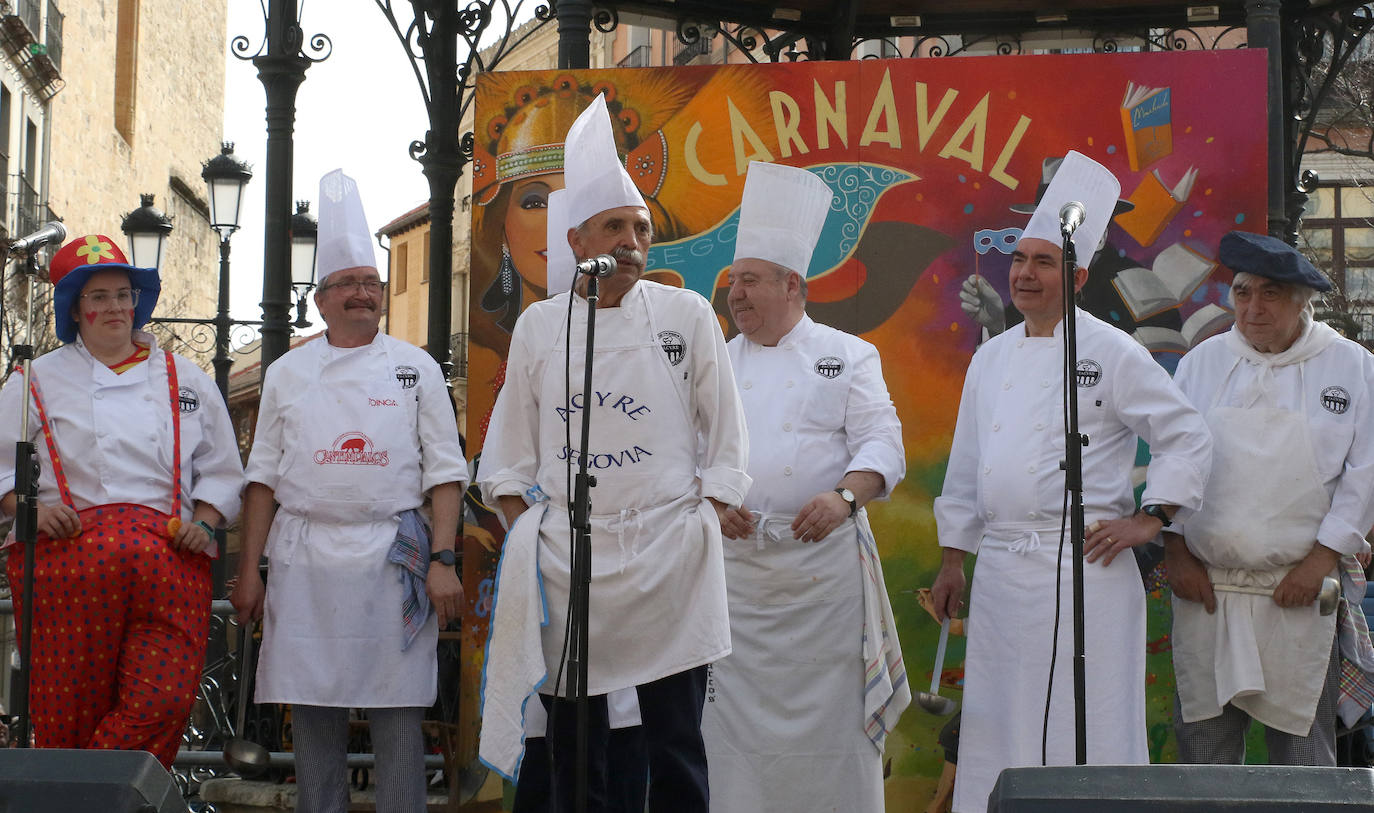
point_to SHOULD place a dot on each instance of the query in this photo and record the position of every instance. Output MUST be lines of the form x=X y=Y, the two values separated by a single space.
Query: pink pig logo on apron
x=351 y=449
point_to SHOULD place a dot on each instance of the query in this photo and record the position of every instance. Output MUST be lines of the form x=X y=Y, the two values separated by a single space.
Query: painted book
x=1147 y=120
x=1155 y=206
x=1171 y=278
x=1207 y=321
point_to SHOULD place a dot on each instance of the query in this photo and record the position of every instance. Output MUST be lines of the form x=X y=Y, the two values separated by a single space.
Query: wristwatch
x=444 y=557
x=848 y=496
x=1157 y=511
x=205 y=526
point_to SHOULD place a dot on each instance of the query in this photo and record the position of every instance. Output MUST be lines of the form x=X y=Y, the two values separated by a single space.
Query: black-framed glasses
x=372 y=286
x=123 y=298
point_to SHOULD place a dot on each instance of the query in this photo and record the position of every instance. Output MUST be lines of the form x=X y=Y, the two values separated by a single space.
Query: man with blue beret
x=1290 y=497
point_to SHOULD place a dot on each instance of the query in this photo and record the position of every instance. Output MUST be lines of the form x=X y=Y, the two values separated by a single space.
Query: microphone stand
x=579 y=593
x=1073 y=483
x=26 y=510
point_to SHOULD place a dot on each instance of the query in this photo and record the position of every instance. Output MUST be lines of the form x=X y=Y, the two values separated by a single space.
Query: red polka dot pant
x=119 y=631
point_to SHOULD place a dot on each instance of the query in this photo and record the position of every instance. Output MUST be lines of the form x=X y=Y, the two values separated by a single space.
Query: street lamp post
x=226 y=177
x=281 y=63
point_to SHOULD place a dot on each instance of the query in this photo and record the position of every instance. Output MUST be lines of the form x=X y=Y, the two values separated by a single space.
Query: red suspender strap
x=52 y=445
x=174 y=393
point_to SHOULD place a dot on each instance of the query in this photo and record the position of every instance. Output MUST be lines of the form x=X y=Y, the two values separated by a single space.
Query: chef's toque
x=1080 y=179
x=781 y=215
x=595 y=177
x=344 y=240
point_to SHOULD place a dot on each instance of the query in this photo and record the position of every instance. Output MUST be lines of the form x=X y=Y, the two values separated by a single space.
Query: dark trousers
x=670 y=709
x=627 y=774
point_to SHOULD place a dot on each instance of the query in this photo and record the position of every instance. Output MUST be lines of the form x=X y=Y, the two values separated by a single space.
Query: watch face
x=445 y=557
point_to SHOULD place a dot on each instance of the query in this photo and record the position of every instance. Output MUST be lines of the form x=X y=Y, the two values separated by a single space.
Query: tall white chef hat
x=781 y=215
x=558 y=253
x=1080 y=179
x=592 y=169
x=344 y=240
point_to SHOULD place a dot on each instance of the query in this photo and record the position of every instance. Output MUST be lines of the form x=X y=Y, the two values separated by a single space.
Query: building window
x=424 y=259
x=126 y=67
x=400 y=257
x=1338 y=235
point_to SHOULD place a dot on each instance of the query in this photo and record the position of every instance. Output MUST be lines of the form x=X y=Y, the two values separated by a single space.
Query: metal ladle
x=1327 y=598
x=245 y=757
x=932 y=701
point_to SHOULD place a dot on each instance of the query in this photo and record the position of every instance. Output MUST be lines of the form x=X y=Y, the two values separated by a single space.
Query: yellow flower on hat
x=95 y=250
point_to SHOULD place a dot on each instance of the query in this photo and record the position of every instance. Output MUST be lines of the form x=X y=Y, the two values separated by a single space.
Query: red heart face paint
x=90 y=316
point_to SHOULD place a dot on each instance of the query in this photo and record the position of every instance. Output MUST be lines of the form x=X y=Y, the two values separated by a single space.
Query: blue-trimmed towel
x=411 y=551
x=886 y=691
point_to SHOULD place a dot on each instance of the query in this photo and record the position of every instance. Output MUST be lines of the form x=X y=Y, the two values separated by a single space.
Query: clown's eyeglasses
x=123 y=298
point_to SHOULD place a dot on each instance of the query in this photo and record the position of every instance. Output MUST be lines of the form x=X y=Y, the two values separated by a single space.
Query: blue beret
x=1271 y=258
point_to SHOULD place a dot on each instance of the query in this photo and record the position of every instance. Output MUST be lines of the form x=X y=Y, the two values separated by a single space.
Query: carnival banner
x=936 y=165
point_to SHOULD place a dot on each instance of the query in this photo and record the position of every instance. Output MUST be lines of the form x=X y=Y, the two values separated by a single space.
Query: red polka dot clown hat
x=74 y=264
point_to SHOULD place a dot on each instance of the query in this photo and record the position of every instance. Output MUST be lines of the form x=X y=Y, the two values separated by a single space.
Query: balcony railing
x=27 y=214
x=638 y=58
x=692 y=50
x=458 y=353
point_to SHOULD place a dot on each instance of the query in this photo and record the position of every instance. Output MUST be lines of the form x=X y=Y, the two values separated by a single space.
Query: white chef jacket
x=348 y=438
x=1123 y=393
x=785 y=728
x=668 y=343
x=817 y=407
x=515 y=458
x=1334 y=391
x=1003 y=498
x=114 y=432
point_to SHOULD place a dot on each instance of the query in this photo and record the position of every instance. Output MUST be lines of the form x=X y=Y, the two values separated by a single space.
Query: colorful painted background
x=927 y=157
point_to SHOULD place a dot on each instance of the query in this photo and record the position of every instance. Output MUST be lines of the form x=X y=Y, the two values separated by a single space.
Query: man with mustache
x=354 y=432
x=668 y=450
x=1004 y=497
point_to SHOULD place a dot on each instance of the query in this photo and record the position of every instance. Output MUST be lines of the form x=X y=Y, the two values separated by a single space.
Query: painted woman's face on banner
x=526 y=226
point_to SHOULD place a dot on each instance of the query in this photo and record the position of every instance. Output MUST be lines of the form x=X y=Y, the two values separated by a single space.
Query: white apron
x=658 y=603
x=1260 y=517
x=784 y=717
x=332 y=630
x=1006 y=667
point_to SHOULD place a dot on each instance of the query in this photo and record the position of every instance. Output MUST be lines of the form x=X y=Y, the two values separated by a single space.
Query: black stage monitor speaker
x=55 y=780
x=1182 y=789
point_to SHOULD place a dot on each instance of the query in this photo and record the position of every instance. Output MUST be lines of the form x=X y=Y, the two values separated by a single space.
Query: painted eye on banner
x=630 y=119
x=496 y=127
x=565 y=86
x=525 y=95
x=604 y=87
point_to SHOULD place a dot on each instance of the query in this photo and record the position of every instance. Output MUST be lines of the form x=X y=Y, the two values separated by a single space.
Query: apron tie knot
x=536 y=494
x=1026 y=543
x=770 y=528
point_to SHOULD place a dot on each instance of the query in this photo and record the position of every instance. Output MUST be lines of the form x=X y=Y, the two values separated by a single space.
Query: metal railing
x=457 y=353
x=28 y=213
x=638 y=58
x=692 y=50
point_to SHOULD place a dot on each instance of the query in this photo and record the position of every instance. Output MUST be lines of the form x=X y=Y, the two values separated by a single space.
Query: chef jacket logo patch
x=674 y=345
x=829 y=367
x=407 y=376
x=351 y=449
x=188 y=400
x=1087 y=373
x=1335 y=400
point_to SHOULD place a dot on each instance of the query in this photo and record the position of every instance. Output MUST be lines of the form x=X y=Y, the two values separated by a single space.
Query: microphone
x=602 y=266
x=1071 y=217
x=53 y=232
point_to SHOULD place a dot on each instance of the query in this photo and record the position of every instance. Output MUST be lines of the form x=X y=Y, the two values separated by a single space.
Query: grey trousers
x=1220 y=740
x=320 y=735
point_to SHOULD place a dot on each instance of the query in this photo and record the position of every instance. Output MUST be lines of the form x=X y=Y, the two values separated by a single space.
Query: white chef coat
x=1294 y=465
x=347 y=439
x=1003 y=498
x=784 y=727
x=114 y=432
x=662 y=380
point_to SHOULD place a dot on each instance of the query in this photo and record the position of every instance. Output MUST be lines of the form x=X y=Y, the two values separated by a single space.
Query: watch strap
x=207 y=528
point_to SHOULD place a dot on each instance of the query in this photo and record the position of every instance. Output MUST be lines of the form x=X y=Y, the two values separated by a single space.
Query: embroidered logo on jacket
x=1087 y=373
x=407 y=376
x=674 y=345
x=1335 y=400
x=829 y=367
x=351 y=449
x=188 y=399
